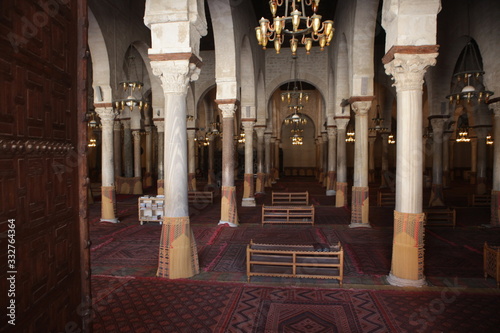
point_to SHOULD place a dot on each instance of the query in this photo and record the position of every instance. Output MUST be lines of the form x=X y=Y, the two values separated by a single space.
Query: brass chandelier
x=295 y=24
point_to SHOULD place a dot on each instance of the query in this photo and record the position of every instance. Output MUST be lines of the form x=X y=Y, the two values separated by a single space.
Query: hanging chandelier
x=295 y=25
x=132 y=90
x=489 y=140
x=350 y=135
x=297 y=138
x=467 y=80
x=378 y=121
x=463 y=135
x=295 y=96
x=390 y=139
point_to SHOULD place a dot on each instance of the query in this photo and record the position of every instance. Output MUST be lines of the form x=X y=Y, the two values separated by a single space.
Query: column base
x=360 y=225
x=110 y=220
x=248 y=202
x=399 y=282
x=228 y=223
x=330 y=193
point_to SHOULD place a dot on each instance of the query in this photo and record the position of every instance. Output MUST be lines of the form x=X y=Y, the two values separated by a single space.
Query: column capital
x=260 y=131
x=496 y=108
x=267 y=137
x=160 y=125
x=228 y=108
x=361 y=108
x=117 y=125
x=248 y=126
x=107 y=115
x=332 y=132
x=438 y=123
x=324 y=136
x=175 y=75
x=342 y=122
x=125 y=123
x=408 y=70
x=371 y=139
x=136 y=134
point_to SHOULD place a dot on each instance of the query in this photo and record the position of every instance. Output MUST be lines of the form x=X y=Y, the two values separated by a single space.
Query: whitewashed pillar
x=341 y=184
x=191 y=135
x=249 y=182
x=260 y=182
x=407 y=70
x=229 y=209
x=117 y=150
x=160 y=128
x=108 y=201
x=128 y=160
x=360 y=196
x=332 y=160
x=437 y=195
x=495 y=191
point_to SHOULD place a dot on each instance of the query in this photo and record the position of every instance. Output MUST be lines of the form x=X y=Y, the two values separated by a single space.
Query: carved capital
x=332 y=133
x=248 y=127
x=175 y=75
x=361 y=108
x=160 y=125
x=136 y=134
x=227 y=110
x=107 y=115
x=496 y=109
x=260 y=131
x=408 y=70
x=342 y=123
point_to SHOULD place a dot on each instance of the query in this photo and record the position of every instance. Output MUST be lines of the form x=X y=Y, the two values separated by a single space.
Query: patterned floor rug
x=159 y=305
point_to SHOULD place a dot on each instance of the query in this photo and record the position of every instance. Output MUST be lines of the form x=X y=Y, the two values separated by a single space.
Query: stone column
x=446 y=159
x=324 y=157
x=160 y=128
x=437 y=196
x=229 y=211
x=148 y=176
x=128 y=160
x=137 y=162
x=277 y=159
x=117 y=150
x=332 y=160
x=481 y=133
x=108 y=201
x=211 y=173
x=360 y=196
x=191 y=135
x=451 y=145
x=248 y=185
x=384 y=170
x=371 y=159
x=407 y=268
x=267 y=159
x=473 y=162
x=495 y=191
x=341 y=184
x=261 y=176
x=178 y=255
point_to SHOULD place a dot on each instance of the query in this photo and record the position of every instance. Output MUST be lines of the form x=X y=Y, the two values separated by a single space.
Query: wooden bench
x=288 y=214
x=492 y=262
x=385 y=198
x=290 y=198
x=480 y=200
x=298 y=261
x=440 y=217
x=201 y=197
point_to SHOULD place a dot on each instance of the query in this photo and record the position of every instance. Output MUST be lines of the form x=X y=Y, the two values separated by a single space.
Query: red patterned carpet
x=159 y=305
x=128 y=297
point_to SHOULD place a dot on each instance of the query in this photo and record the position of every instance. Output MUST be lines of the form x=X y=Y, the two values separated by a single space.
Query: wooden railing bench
x=290 y=198
x=440 y=217
x=288 y=214
x=297 y=261
x=385 y=199
x=206 y=197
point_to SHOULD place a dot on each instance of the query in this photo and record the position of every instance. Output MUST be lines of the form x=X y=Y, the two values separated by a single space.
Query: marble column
x=249 y=182
x=261 y=176
x=276 y=163
x=148 y=174
x=371 y=159
x=324 y=157
x=341 y=184
x=160 y=128
x=178 y=255
x=137 y=162
x=360 y=205
x=229 y=211
x=481 y=132
x=473 y=162
x=437 y=195
x=332 y=160
x=384 y=170
x=407 y=267
x=108 y=201
x=495 y=191
x=267 y=159
x=451 y=145
x=117 y=150
x=128 y=160
x=446 y=159
x=211 y=173
x=191 y=135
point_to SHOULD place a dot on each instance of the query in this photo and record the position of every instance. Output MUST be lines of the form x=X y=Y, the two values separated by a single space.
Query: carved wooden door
x=44 y=257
